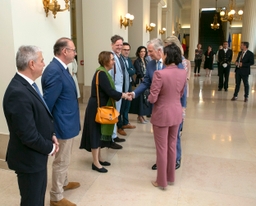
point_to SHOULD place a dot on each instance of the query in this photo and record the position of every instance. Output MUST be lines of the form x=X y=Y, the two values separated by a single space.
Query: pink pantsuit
x=165 y=93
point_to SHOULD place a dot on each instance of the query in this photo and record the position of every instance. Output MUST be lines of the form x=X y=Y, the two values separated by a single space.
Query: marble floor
x=218 y=165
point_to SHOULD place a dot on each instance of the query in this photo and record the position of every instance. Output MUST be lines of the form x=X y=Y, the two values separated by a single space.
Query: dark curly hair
x=173 y=54
x=139 y=49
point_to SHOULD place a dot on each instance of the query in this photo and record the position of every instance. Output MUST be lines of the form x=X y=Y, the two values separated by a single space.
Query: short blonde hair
x=173 y=39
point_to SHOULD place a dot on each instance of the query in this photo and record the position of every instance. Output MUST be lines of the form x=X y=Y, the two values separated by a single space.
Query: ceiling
x=211 y=3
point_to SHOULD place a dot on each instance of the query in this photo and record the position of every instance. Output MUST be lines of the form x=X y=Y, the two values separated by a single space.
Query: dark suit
x=31 y=129
x=243 y=72
x=224 y=57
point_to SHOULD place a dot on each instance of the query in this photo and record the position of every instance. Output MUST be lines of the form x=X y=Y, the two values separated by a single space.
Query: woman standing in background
x=198 y=59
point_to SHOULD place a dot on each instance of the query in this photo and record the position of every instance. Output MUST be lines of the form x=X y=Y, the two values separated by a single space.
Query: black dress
x=92 y=130
x=140 y=105
x=208 y=63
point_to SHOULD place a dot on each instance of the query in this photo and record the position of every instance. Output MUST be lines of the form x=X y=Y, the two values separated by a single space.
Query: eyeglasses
x=71 y=49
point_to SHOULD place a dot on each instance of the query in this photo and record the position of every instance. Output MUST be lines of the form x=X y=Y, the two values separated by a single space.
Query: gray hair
x=26 y=54
x=157 y=43
x=173 y=39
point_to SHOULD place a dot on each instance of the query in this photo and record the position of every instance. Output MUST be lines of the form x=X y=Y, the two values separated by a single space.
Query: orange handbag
x=105 y=114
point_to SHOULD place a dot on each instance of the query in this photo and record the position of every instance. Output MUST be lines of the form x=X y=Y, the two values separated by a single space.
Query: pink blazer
x=165 y=92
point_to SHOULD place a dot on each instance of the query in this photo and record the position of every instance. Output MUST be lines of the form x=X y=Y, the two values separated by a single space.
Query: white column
x=194 y=26
x=137 y=35
x=249 y=21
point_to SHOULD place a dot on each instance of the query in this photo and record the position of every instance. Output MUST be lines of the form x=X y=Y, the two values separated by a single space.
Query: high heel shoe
x=141 y=120
x=156 y=185
x=101 y=170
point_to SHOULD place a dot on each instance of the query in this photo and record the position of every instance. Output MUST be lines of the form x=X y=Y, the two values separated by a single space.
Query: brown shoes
x=71 y=185
x=62 y=202
x=121 y=131
x=128 y=126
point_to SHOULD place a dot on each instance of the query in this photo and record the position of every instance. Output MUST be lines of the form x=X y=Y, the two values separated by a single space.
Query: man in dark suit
x=61 y=97
x=123 y=119
x=224 y=60
x=31 y=127
x=243 y=69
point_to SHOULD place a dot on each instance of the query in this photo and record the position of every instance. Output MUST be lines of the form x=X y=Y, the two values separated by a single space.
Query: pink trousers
x=165 y=140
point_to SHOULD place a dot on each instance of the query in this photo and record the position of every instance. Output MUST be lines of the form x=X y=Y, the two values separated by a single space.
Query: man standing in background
x=224 y=59
x=123 y=120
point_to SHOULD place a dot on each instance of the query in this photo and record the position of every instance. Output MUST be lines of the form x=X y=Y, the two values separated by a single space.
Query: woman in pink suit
x=165 y=93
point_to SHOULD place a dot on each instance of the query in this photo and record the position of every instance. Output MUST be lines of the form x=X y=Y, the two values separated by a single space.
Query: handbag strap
x=97 y=90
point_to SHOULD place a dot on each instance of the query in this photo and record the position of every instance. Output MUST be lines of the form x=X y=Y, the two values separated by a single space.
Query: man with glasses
x=123 y=120
x=60 y=96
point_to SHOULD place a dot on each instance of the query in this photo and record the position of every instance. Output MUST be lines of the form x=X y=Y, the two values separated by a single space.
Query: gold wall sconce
x=150 y=27
x=54 y=7
x=162 y=31
x=126 y=21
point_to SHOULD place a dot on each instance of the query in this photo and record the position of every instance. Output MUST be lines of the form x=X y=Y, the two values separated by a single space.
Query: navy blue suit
x=31 y=129
x=61 y=97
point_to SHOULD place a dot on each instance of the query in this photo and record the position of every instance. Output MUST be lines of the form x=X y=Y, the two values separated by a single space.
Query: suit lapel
x=31 y=89
x=66 y=73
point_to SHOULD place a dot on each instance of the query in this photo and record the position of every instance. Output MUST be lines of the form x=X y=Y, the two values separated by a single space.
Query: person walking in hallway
x=198 y=59
x=60 y=94
x=224 y=60
x=30 y=123
x=244 y=61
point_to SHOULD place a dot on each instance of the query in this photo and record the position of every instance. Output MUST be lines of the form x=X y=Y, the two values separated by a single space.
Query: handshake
x=128 y=96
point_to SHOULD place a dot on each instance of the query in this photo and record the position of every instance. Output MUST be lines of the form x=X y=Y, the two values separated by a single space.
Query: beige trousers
x=60 y=169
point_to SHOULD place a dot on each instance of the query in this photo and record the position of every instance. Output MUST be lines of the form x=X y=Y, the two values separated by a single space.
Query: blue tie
x=39 y=93
x=159 y=65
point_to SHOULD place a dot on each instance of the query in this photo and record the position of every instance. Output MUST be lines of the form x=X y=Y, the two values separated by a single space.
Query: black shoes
x=226 y=90
x=234 y=99
x=117 y=139
x=101 y=170
x=177 y=166
x=105 y=163
x=154 y=167
x=245 y=99
x=114 y=145
x=219 y=89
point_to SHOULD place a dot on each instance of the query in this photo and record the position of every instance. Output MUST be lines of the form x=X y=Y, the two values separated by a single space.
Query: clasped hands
x=56 y=143
x=127 y=96
x=239 y=64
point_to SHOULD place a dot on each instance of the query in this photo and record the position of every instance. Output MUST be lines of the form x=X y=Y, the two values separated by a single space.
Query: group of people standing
x=224 y=57
x=43 y=125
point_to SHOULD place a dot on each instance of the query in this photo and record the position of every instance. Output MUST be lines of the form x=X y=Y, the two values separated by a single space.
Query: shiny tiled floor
x=218 y=158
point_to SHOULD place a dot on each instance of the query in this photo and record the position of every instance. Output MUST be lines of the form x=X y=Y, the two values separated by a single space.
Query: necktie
x=159 y=65
x=39 y=93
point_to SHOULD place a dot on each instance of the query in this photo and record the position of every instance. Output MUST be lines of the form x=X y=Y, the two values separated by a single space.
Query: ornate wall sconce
x=162 y=31
x=150 y=27
x=126 y=21
x=54 y=7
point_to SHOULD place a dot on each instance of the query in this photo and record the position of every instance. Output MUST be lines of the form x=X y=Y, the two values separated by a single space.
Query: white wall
x=24 y=23
x=100 y=23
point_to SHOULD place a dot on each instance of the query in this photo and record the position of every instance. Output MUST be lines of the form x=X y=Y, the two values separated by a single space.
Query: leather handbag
x=105 y=114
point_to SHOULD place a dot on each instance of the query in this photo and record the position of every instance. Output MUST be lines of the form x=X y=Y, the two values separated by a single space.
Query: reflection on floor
x=218 y=165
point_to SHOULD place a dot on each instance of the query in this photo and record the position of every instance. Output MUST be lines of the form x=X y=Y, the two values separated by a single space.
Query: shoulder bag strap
x=97 y=90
